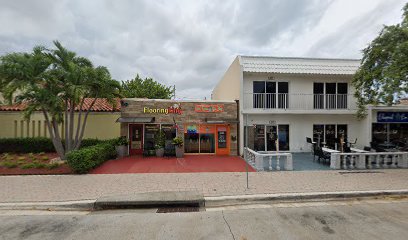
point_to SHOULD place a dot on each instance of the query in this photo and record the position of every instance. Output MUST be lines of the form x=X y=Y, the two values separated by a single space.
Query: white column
x=403 y=161
x=289 y=162
x=361 y=162
x=259 y=162
x=335 y=161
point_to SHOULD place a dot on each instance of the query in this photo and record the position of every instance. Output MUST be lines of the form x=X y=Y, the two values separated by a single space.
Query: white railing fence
x=299 y=101
x=268 y=161
x=369 y=160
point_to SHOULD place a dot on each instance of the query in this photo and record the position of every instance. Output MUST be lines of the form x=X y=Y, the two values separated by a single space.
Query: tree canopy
x=146 y=88
x=383 y=75
x=56 y=82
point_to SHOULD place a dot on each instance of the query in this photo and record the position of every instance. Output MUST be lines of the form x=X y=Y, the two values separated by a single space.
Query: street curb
x=219 y=201
x=222 y=201
x=80 y=205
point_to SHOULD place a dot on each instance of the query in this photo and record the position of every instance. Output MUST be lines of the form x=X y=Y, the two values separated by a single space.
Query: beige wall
x=99 y=125
x=228 y=88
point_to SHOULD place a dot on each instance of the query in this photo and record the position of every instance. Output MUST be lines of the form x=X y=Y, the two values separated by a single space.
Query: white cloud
x=191 y=43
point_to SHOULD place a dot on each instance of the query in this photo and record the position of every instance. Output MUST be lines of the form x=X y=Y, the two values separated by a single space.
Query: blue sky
x=192 y=43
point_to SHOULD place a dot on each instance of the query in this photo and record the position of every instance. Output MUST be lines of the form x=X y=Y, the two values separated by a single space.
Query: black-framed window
x=269 y=94
x=263 y=137
x=330 y=134
x=330 y=95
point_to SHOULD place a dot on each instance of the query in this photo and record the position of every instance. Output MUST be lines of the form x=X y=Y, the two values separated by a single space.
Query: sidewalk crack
x=229 y=227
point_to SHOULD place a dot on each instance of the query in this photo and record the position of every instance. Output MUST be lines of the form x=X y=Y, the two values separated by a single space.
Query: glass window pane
x=318 y=133
x=207 y=143
x=330 y=133
x=318 y=88
x=270 y=87
x=259 y=86
x=342 y=88
x=259 y=138
x=191 y=138
x=283 y=87
x=379 y=134
x=283 y=137
x=271 y=137
x=150 y=131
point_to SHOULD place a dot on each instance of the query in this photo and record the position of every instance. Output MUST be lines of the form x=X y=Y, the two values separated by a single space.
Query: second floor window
x=330 y=95
x=267 y=94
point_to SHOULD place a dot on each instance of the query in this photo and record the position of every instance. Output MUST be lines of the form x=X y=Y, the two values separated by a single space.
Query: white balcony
x=298 y=102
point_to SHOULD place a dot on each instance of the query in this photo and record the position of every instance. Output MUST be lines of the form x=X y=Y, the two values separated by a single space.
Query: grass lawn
x=31 y=163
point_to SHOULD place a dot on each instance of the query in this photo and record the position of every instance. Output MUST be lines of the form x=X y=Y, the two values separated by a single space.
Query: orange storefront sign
x=209 y=108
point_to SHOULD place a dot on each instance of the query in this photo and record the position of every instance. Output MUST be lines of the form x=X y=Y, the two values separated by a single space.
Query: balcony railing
x=298 y=101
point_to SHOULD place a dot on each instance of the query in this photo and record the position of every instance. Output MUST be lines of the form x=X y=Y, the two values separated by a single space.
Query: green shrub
x=38 y=145
x=45 y=158
x=21 y=158
x=85 y=159
x=26 y=145
x=52 y=165
x=9 y=164
x=33 y=165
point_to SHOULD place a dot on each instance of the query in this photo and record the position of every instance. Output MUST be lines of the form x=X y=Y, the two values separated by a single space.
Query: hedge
x=37 y=144
x=85 y=159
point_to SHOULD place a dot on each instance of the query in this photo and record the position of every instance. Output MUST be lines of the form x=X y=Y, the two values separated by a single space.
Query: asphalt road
x=346 y=220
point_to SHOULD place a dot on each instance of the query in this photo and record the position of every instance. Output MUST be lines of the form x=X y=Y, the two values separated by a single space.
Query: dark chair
x=309 y=140
x=366 y=148
x=322 y=155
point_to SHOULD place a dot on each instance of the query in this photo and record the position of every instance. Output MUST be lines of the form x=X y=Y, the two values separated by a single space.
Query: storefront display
x=143 y=119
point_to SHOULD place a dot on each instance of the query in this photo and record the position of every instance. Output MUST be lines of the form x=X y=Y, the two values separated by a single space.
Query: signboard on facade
x=392 y=116
x=209 y=108
x=175 y=109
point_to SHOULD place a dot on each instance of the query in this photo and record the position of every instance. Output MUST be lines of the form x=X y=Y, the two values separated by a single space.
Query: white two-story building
x=293 y=98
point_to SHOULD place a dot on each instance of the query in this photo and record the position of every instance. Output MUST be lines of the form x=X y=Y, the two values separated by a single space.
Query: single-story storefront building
x=207 y=127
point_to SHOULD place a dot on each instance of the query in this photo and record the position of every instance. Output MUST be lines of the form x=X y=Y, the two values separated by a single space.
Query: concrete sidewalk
x=91 y=187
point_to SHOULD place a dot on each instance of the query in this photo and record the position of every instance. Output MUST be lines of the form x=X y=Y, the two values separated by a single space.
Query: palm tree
x=57 y=82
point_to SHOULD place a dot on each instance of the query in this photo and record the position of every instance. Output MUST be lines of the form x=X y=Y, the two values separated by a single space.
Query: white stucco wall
x=301 y=126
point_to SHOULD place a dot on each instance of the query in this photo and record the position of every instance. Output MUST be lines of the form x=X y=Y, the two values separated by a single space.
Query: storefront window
x=199 y=139
x=329 y=134
x=150 y=131
x=170 y=133
x=259 y=135
x=191 y=138
x=396 y=133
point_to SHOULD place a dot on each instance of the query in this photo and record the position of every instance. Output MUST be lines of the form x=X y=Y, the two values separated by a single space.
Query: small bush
x=9 y=164
x=85 y=159
x=33 y=165
x=52 y=165
x=26 y=145
x=45 y=158
x=21 y=158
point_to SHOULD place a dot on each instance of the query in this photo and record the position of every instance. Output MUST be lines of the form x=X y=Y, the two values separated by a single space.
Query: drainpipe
x=238 y=128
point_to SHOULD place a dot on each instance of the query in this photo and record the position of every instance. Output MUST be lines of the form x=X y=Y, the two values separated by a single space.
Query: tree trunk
x=76 y=146
x=56 y=142
x=71 y=126
x=84 y=123
x=66 y=125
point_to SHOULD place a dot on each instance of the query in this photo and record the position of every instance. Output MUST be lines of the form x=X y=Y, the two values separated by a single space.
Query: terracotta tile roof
x=101 y=105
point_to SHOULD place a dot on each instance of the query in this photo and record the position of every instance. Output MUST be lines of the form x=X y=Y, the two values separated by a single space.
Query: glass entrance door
x=223 y=146
x=136 y=139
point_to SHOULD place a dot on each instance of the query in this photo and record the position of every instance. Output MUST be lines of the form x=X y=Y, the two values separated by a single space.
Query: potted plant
x=178 y=143
x=121 y=146
x=160 y=142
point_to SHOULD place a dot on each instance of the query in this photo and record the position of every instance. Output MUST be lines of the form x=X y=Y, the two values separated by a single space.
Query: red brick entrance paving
x=188 y=164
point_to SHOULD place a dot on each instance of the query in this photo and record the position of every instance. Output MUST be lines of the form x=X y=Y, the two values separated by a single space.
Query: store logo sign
x=175 y=109
x=209 y=108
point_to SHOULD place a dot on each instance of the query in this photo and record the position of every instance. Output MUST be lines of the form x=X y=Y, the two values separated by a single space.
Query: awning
x=135 y=119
